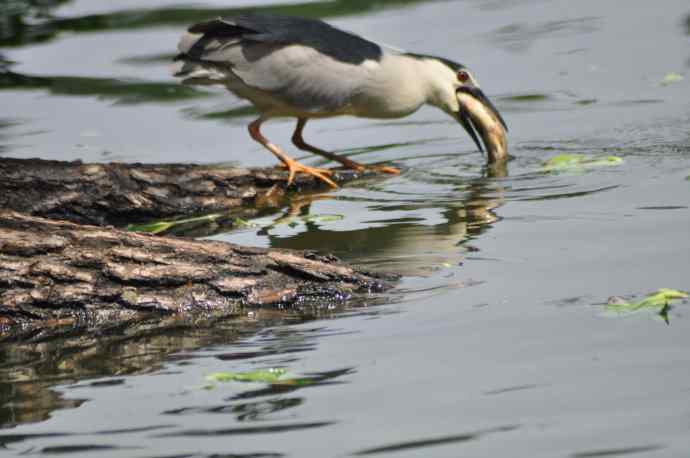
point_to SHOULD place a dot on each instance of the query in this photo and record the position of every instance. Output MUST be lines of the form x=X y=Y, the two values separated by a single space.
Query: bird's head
x=456 y=91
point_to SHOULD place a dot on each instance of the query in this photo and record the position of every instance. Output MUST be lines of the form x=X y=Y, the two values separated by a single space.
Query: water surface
x=496 y=342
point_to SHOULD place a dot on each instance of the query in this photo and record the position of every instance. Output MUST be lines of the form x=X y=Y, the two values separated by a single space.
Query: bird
x=295 y=67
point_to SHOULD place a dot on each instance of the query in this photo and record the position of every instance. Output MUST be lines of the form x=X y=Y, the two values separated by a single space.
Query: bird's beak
x=478 y=115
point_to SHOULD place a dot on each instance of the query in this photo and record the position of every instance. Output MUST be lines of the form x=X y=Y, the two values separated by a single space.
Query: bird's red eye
x=463 y=76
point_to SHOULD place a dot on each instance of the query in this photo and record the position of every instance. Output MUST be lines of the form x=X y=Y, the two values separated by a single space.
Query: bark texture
x=119 y=194
x=57 y=273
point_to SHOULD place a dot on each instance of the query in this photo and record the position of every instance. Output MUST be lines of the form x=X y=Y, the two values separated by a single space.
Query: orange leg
x=304 y=146
x=292 y=165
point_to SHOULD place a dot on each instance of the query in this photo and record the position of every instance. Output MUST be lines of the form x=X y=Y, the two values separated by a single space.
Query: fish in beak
x=478 y=115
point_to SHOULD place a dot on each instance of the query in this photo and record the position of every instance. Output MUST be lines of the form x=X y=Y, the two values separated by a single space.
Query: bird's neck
x=435 y=79
x=398 y=86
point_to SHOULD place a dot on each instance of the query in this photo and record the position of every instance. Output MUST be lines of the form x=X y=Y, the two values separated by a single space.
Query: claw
x=295 y=167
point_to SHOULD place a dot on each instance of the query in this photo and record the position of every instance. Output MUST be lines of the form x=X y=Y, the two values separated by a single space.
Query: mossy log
x=118 y=194
x=58 y=273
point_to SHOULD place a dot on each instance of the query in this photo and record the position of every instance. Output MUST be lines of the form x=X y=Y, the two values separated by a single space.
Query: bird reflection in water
x=406 y=246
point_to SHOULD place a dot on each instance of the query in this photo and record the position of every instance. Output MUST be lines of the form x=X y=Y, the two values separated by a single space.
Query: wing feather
x=286 y=30
x=303 y=63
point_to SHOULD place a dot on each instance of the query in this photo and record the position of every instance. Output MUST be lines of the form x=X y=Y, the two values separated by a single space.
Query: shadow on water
x=619 y=451
x=121 y=91
x=241 y=111
x=29 y=369
x=5 y=125
x=27 y=22
x=272 y=429
x=16 y=14
x=245 y=409
x=431 y=442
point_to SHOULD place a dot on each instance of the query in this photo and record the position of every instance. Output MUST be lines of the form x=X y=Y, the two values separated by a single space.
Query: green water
x=496 y=341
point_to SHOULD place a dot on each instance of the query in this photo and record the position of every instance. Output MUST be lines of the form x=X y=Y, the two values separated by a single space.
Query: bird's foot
x=386 y=169
x=294 y=167
x=376 y=168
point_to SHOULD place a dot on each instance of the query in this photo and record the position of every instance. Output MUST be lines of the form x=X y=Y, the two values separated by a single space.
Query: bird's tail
x=194 y=70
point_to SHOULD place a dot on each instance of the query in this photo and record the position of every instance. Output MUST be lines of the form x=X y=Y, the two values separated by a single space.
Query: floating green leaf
x=271 y=376
x=578 y=162
x=659 y=299
x=239 y=222
x=161 y=227
x=322 y=218
x=259 y=376
x=152 y=228
x=158 y=227
x=659 y=302
x=670 y=78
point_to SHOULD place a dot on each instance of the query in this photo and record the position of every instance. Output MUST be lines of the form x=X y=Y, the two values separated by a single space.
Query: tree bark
x=57 y=273
x=119 y=194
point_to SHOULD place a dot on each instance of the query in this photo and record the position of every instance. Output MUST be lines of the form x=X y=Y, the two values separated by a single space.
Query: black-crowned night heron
x=305 y=68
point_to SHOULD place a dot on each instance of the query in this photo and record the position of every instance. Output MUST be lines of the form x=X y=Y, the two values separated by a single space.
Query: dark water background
x=496 y=343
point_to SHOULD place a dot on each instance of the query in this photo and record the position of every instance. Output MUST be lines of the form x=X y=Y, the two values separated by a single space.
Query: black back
x=269 y=28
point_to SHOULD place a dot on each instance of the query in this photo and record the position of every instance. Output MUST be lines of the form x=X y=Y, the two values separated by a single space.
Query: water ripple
x=268 y=429
x=425 y=443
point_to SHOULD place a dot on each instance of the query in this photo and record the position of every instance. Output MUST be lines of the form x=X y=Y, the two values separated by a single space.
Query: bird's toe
x=295 y=167
x=385 y=169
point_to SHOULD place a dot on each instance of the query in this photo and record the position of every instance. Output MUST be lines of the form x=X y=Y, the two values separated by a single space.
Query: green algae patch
x=152 y=228
x=658 y=302
x=259 y=376
x=160 y=227
x=275 y=377
x=660 y=298
x=670 y=78
x=181 y=226
x=578 y=163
